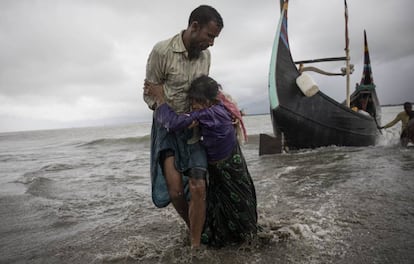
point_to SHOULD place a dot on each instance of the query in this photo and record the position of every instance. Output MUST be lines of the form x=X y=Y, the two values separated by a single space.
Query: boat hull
x=340 y=129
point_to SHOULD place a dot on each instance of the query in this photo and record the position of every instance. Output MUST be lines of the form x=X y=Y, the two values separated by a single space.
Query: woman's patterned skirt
x=231 y=202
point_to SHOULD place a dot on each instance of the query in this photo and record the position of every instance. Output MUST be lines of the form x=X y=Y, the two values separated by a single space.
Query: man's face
x=202 y=37
x=408 y=108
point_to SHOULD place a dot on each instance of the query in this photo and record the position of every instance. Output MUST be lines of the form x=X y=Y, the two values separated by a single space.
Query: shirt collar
x=178 y=44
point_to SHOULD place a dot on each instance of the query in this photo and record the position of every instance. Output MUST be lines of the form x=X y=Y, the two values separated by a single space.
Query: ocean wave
x=143 y=140
x=6 y=157
x=40 y=186
x=54 y=167
x=34 y=175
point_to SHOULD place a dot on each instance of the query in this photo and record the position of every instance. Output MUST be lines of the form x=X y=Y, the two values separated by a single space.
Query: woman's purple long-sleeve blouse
x=217 y=130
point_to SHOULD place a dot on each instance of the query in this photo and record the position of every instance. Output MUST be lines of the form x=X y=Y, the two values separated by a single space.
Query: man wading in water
x=404 y=117
x=174 y=64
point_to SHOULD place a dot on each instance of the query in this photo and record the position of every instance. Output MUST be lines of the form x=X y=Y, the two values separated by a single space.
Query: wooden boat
x=316 y=120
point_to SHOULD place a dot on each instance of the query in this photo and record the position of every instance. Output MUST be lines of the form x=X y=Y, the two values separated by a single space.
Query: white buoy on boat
x=307 y=85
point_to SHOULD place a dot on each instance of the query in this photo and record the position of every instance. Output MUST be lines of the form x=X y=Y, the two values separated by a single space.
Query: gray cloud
x=65 y=62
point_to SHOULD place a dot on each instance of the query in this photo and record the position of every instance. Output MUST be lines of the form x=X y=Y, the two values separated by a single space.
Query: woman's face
x=197 y=105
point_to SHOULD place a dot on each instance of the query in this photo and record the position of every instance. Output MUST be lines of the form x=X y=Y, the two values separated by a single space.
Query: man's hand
x=154 y=90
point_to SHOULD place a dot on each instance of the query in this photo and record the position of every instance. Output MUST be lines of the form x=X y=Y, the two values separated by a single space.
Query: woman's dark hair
x=204 y=14
x=204 y=89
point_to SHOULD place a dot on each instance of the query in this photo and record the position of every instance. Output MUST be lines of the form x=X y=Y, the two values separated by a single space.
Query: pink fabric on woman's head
x=233 y=109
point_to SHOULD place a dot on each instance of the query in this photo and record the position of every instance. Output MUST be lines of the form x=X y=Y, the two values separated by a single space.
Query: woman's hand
x=194 y=124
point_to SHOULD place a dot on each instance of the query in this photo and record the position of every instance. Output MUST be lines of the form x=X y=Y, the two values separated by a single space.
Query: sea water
x=83 y=195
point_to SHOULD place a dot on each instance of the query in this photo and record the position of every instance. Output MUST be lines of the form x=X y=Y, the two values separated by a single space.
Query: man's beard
x=194 y=52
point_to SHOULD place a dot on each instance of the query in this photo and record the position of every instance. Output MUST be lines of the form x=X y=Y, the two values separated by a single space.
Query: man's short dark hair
x=204 y=14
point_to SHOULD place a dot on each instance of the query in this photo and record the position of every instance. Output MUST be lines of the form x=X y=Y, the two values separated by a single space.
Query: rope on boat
x=311 y=68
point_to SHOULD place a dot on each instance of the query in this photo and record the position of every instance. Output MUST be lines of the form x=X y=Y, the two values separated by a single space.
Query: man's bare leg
x=197 y=211
x=176 y=189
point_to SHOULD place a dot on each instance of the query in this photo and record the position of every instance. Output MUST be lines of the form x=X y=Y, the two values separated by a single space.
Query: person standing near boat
x=231 y=195
x=172 y=65
x=404 y=117
x=410 y=128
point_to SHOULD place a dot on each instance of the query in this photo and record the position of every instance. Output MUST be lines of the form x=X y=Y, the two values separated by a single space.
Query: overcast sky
x=82 y=63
